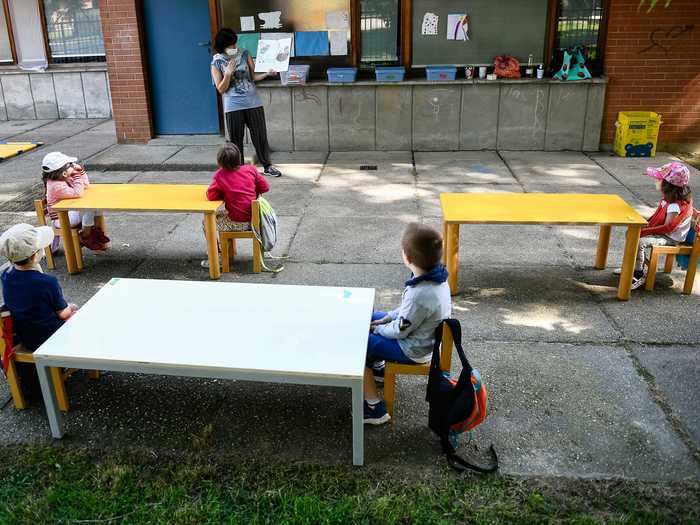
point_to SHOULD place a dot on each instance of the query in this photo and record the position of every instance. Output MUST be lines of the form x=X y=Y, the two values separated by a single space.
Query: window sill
x=14 y=69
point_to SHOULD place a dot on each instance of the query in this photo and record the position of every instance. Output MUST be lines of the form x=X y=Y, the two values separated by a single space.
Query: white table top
x=271 y=329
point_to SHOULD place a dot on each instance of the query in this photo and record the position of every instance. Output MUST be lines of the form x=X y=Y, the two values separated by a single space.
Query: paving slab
x=347 y=167
x=193 y=158
x=559 y=168
x=575 y=410
x=676 y=375
x=473 y=167
x=631 y=171
x=663 y=316
x=429 y=194
x=9 y=129
x=483 y=245
x=301 y=166
x=376 y=200
x=130 y=156
x=112 y=177
x=528 y=304
x=349 y=239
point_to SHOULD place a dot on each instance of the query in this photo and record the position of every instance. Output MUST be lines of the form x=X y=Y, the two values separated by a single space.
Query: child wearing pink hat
x=670 y=223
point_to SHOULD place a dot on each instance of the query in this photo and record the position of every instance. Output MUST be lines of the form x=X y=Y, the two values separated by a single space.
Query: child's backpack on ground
x=456 y=406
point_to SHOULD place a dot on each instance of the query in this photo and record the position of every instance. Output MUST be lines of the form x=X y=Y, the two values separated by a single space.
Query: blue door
x=178 y=53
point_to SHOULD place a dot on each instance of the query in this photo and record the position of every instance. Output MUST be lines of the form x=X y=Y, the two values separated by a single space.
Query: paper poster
x=430 y=24
x=273 y=55
x=337 y=20
x=280 y=36
x=249 y=41
x=247 y=23
x=271 y=20
x=458 y=27
x=311 y=43
x=339 y=42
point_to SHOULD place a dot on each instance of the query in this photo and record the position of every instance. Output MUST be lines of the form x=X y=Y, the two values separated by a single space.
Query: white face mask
x=232 y=51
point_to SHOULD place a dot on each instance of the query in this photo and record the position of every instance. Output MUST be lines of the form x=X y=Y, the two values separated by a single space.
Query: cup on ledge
x=482 y=72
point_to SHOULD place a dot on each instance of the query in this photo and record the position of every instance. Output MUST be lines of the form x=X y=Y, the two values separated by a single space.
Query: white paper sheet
x=458 y=27
x=337 y=20
x=273 y=55
x=281 y=36
x=271 y=20
x=247 y=23
x=430 y=24
x=339 y=42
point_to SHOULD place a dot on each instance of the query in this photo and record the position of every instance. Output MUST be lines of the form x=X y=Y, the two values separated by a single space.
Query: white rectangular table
x=281 y=334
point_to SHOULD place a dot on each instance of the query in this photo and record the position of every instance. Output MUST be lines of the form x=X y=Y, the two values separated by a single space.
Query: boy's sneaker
x=271 y=171
x=376 y=414
x=638 y=282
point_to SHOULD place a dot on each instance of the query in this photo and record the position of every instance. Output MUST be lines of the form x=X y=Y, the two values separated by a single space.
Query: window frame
x=47 y=45
x=11 y=35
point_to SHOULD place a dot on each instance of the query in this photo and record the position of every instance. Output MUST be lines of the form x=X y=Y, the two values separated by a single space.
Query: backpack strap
x=462 y=465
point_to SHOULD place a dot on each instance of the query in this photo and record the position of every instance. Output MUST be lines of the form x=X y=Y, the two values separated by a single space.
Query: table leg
x=444 y=243
x=601 y=256
x=50 y=402
x=100 y=223
x=452 y=256
x=68 y=246
x=631 y=244
x=213 y=251
x=358 y=430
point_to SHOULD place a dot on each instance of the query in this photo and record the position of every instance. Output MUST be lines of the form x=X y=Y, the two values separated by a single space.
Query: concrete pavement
x=580 y=384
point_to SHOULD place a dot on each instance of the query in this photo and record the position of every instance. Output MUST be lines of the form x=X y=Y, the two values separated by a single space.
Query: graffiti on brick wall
x=664 y=39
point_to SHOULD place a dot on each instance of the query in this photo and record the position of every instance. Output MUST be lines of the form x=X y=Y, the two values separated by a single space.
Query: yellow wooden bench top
x=143 y=197
x=537 y=208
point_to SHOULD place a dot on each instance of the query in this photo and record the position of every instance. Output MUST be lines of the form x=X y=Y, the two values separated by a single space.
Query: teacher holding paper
x=233 y=74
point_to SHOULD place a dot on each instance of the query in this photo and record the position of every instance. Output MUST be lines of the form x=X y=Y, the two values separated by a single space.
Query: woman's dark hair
x=673 y=193
x=226 y=37
x=229 y=157
x=422 y=245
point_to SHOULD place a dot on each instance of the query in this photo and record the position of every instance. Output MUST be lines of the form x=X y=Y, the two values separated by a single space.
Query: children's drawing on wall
x=247 y=23
x=273 y=55
x=430 y=24
x=337 y=20
x=271 y=20
x=339 y=42
x=458 y=27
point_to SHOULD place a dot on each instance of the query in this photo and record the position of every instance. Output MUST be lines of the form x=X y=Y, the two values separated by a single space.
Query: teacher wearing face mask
x=233 y=74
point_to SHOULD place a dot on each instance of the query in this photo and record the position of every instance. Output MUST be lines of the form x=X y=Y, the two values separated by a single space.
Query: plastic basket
x=342 y=74
x=440 y=73
x=295 y=75
x=636 y=133
x=390 y=74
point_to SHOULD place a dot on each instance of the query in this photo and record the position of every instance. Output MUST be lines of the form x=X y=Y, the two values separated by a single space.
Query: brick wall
x=127 y=73
x=662 y=77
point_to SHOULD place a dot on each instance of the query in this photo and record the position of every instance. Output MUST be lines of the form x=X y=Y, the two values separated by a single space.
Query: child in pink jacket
x=65 y=179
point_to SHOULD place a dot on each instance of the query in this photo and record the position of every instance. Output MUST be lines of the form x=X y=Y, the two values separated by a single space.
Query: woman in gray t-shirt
x=233 y=74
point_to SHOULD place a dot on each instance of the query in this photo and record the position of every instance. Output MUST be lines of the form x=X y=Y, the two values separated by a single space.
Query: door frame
x=215 y=24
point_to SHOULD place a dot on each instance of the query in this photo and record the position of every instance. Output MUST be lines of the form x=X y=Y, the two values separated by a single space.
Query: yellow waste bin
x=636 y=133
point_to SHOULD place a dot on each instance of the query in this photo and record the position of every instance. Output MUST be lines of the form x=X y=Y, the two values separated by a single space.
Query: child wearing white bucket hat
x=35 y=299
x=63 y=179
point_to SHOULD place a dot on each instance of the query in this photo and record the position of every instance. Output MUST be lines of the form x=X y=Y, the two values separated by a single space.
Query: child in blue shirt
x=407 y=334
x=34 y=299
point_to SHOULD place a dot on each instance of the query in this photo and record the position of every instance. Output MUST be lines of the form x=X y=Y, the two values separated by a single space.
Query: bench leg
x=624 y=289
x=60 y=388
x=670 y=259
x=225 y=254
x=389 y=391
x=15 y=387
x=50 y=264
x=212 y=249
x=651 y=271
